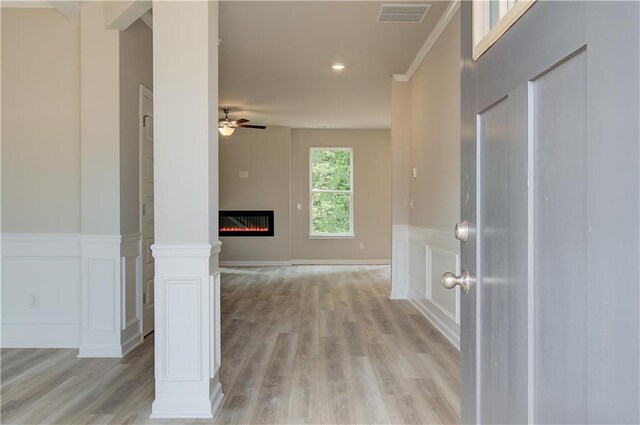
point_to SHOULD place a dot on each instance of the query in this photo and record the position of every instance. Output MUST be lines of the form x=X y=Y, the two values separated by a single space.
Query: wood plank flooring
x=303 y=344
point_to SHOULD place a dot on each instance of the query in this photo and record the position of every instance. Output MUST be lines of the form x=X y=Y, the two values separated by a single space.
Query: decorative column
x=100 y=169
x=185 y=49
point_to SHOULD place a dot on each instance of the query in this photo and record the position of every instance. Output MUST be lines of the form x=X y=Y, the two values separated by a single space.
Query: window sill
x=311 y=236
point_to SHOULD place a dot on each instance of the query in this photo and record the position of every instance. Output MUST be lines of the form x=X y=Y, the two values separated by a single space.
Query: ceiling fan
x=226 y=127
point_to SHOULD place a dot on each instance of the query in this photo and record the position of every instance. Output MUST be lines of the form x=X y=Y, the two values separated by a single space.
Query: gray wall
x=136 y=67
x=265 y=154
x=40 y=122
x=372 y=195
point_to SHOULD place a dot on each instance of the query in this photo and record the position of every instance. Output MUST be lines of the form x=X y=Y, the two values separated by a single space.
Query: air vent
x=403 y=13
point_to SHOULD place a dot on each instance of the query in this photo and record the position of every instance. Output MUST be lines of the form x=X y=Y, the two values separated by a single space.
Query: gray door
x=550 y=329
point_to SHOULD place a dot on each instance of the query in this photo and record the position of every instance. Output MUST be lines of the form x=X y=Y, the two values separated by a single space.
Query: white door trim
x=143 y=92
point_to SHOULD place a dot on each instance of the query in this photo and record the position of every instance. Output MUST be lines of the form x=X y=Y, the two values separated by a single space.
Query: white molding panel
x=131 y=291
x=101 y=296
x=399 y=262
x=41 y=280
x=216 y=329
x=421 y=256
x=187 y=332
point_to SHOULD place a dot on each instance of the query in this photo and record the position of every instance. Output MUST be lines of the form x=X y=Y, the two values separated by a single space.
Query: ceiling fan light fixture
x=338 y=66
x=226 y=131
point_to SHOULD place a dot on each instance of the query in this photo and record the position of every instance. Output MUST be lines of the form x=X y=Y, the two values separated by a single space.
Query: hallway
x=303 y=344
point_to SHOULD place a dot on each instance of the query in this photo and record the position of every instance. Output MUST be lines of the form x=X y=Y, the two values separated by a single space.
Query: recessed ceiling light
x=338 y=66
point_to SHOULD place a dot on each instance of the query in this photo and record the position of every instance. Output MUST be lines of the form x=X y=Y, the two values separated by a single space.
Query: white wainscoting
x=131 y=291
x=71 y=291
x=421 y=256
x=400 y=262
x=101 y=296
x=41 y=279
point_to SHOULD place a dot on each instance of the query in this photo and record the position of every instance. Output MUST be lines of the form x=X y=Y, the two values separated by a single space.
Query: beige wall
x=401 y=149
x=41 y=122
x=136 y=67
x=435 y=134
x=265 y=154
x=100 y=116
x=372 y=195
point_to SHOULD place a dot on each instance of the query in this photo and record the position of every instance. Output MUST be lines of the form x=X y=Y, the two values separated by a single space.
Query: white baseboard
x=398 y=293
x=40 y=335
x=217 y=395
x=254 y=263
x=422 y=305
x=185 y=409
x=100 y=350
x=131 y=343
x=341 y=262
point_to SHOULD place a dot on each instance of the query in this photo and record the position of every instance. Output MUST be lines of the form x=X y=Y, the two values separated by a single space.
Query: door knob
x=450 y=280
x=462 y=231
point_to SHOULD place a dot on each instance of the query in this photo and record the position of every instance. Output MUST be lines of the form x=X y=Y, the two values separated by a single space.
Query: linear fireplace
x=246 y=223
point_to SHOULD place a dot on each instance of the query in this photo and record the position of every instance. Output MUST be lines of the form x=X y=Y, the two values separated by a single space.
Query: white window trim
x=315 y=235
x=483 y=35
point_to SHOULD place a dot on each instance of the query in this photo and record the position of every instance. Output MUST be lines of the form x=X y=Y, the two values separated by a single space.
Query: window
x=331 y=192
x=492 y=18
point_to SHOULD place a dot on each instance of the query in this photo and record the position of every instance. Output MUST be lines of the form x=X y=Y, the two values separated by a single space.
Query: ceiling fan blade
x=261 y=127
x=240 y=121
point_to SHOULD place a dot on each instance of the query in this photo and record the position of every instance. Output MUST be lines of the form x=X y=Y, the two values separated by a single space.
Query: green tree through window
x=331 y=191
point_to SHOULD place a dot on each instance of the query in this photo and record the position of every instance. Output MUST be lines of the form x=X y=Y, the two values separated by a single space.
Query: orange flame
x=244 y=229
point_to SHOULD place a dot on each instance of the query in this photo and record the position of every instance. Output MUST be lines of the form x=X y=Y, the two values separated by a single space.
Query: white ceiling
x=275 y=61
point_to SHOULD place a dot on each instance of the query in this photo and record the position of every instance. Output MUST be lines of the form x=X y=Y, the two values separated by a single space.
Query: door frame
x=143 y=92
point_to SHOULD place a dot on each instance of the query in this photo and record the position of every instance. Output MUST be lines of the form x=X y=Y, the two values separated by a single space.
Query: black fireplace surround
x=245 y=223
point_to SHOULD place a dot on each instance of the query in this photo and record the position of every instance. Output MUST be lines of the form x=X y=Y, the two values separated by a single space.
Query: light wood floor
x=319 y=344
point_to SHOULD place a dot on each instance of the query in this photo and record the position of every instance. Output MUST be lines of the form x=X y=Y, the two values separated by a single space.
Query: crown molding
x=442 y=24
x=401 y=78
x=147 y=18
x=24 y=4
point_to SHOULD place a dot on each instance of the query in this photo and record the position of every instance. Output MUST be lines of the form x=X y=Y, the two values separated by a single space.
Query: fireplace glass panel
x=246 y=223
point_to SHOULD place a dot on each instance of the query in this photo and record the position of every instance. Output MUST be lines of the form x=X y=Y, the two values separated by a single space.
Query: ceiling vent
x=403 y=13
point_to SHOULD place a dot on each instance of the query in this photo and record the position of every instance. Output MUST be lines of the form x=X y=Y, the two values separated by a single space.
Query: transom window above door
x=492 y=18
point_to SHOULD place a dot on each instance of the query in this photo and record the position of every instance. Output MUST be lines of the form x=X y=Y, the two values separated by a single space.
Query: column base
x=100 y=350
x=184 y=409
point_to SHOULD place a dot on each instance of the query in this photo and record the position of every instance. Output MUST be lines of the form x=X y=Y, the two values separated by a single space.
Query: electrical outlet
x=34 y=301
x=414 y=172
x=361 y=245
x=246 y=174
x=299 y=207
x=411 y=203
